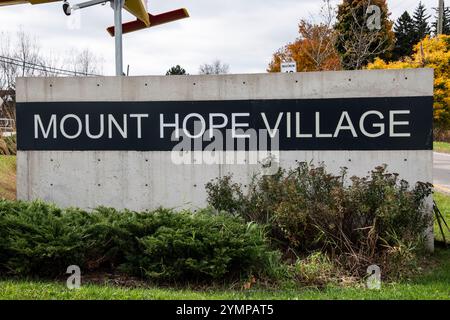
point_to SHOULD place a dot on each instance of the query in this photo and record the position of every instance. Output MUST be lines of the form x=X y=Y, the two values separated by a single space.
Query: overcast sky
x=242 y=33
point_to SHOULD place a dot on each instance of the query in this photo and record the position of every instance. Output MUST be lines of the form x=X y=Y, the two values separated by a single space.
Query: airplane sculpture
x=137 y=8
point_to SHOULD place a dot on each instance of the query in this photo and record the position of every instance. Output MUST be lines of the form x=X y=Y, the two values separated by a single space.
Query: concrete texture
x=308 y=85
x=143 y=180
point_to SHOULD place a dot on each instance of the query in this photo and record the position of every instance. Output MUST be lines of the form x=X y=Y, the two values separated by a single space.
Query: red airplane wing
x=154 y=21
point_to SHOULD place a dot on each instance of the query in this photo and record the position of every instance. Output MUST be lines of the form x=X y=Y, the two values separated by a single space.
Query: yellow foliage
x=430 y=53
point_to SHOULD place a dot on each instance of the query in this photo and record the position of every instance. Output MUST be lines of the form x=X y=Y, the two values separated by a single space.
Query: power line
x=41 y=67
x=52 y=68
x=36 y=68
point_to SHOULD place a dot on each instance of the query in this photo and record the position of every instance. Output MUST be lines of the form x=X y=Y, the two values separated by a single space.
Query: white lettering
x=288 y=124
x=375 y=125
x=202 y=129
x=38 y=124
x=102 y=127
x=318 y=134
x=272 y=133
x=216 y=126
x=298 y=133
x=235 y=125
x=139 y=117
x=393 y=123
x=163 y=125
x=122 y=130
x=63 y=130
x=345 y=117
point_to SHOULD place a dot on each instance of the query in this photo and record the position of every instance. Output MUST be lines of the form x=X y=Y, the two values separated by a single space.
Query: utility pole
x=117 y=6
x=440 y=23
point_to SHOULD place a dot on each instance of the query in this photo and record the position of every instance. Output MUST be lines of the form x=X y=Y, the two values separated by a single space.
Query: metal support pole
x=68 y=9
x=440 y=24
x=87 y=4
x=117 y=6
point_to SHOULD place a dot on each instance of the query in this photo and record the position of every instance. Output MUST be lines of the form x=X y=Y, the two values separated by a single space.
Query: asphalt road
x=441 y=171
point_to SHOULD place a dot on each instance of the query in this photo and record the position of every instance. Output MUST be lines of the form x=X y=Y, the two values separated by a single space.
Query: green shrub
x=315 y=270
x=225 y=196
x=39 y=239
x=355 y=220
x=199 y=246
x=164 y=245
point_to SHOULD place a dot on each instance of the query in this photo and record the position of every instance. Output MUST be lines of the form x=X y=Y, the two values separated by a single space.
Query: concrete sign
x=144 y=142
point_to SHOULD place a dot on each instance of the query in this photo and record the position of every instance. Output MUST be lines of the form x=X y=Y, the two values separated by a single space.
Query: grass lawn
x=8 y=177
x=434 y=284
x=443 y=202
x=441 y=147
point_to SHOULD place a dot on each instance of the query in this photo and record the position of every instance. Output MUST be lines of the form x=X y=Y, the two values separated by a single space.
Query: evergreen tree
x=446 y=24
x=446 y=21
x=405 y=35
x=176 y=71
x=421 y=25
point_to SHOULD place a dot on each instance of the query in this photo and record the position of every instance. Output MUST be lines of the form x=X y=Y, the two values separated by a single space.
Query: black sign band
x=395 y=123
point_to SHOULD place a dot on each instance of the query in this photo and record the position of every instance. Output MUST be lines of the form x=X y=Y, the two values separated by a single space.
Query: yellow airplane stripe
x=138 y=9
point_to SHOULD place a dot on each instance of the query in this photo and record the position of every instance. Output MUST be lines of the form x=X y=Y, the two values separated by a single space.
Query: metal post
x=440 y=24
x=117 y=6
x=87 y=4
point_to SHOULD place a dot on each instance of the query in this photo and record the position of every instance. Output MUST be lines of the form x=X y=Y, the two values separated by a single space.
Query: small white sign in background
x=288 y=67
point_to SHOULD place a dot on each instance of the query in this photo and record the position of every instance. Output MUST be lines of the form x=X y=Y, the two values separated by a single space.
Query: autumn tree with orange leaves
x=314 y=49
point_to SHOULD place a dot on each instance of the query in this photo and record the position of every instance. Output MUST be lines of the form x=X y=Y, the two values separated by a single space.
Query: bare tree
x=27 y=51
x=8 y=70
x=216 y=67
x=322 y=49
x=362 y=45
x=23 y=58
x=86 y=63
x=8 y=73
x=49 y=66
x=360 y=42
